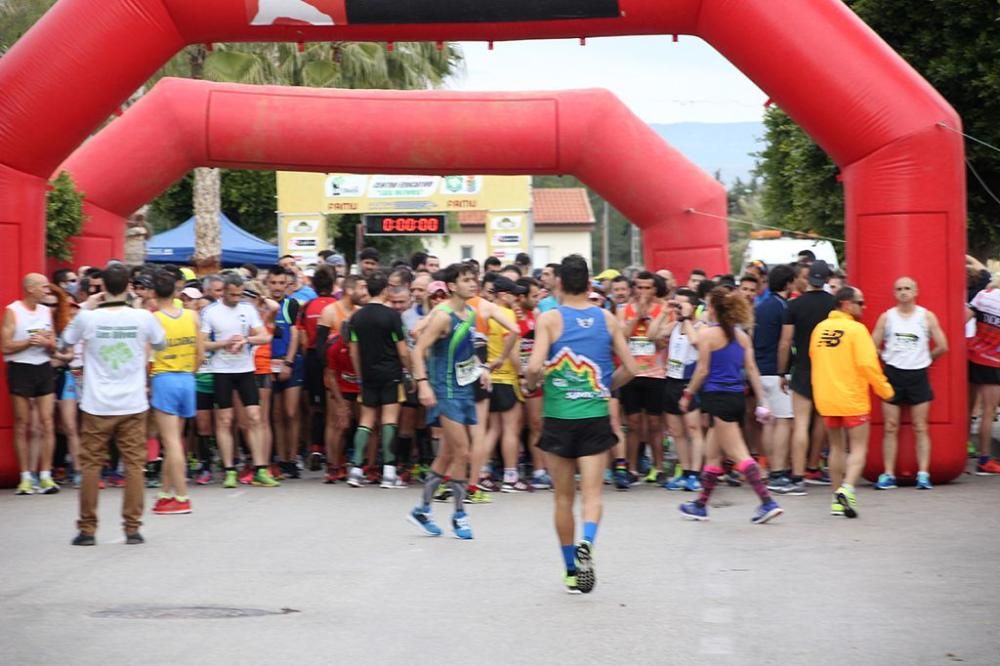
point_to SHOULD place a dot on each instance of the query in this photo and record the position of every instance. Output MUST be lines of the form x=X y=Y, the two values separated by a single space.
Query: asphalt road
x=311 y=574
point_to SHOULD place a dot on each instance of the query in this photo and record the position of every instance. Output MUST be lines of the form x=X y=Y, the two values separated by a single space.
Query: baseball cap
x=191 y=292
x=819 y=273
x=188 y=274
x=336 y=260
x=505 y=284
x=607 y=274
x=437 y=285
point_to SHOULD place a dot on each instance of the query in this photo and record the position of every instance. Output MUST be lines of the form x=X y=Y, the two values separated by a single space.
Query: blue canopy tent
x=239 y=247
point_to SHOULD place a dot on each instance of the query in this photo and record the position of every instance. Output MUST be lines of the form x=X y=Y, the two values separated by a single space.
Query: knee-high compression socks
x=751 y=470
x=431 y=484
x=426 y=453
x=389 y=443
x=709 y=479
x=404 y=450
x=205 y=445
x=361 y=436
x=458 y=491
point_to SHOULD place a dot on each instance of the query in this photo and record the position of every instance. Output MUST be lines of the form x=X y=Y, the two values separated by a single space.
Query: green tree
x=64 y=217
x=16 y=16
x=953 y=44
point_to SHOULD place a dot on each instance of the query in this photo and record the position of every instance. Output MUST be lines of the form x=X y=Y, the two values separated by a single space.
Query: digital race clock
x=414 y=224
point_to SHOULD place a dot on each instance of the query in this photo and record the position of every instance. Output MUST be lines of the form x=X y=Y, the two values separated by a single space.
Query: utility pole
x=635 y=259
x=605 y=250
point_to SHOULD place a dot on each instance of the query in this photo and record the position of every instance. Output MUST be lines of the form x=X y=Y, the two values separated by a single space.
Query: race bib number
x=675 y=369
x=467 y=371
x=639 y=347
x=905 y=342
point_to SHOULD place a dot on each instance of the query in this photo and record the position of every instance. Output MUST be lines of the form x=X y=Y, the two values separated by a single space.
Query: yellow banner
x=341 y=193
x=303 y=236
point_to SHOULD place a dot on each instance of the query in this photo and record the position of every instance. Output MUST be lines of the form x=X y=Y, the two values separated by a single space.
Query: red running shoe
x=161 y=502
x=246 y=476
x=173 y=506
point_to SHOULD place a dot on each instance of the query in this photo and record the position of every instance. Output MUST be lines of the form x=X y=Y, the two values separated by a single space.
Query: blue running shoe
x=460 y=526
x=676 y=483
x=692 y=484
x=885 y=482
x=608 y=478
x=622 y=481
x=421 y=517
x=766 y=512
x=924 y=481
x=692 y=511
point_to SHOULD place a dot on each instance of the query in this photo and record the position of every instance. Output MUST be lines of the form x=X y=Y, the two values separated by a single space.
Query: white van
x=774 y=251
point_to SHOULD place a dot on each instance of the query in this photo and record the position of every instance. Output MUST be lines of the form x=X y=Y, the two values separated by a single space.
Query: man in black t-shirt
x=379 y=353
x=801 y=317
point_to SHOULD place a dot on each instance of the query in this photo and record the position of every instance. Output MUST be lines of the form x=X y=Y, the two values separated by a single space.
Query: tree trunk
x=136 y=235
x=207 y=232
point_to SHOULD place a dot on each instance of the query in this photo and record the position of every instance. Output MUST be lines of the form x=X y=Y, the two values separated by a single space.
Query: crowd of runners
x=471 y=380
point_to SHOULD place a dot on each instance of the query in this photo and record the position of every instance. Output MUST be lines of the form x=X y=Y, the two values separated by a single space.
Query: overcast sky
x=661 y=81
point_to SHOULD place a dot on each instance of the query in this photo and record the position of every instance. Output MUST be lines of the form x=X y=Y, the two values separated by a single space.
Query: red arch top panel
x=182 y=124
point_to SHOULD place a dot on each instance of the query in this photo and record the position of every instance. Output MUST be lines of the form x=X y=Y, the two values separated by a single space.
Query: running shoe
x=25 y=487
x=796 y=488
x=443 y=493
x=608 y=477
x=847 y=499
x=694 y=511
x=569 y=580
x=153 y=482
x=972 y=449
x=160 y=503
x=732 y=478
x=778 y=484
x=422 y=519
x=765 y=512
x=246 y=476
x=693 y=484
x=356 y=478
x=651 y=476
x=230 y=481
x=885 y=482
x=836 y=509
x=478 y=497
x=47 y=487
x=82 y=539
x=488 y=484
x=173 y=506
x=924 y=481
x=586 y=578
x=518 y=486
x=116 y=480
x=989 y=468
x=133 y=539
x=644 y=464
x=77 y=479
x=676 y=483
x=263 y=479
x=331 y=475
x=394 y=483
x=622 y=480
x=290 y=470
x=315 y=462
x=204 y=478
x=541 y=481
x=817 y=477
x=460 y=526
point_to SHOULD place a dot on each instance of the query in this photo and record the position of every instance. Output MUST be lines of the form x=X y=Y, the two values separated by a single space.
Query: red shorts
x=846 y=421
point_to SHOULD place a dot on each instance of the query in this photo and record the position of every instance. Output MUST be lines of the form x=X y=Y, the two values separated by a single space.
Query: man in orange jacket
x=845 y=363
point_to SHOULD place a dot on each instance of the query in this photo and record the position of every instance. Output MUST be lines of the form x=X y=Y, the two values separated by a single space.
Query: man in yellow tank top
x=173 y=391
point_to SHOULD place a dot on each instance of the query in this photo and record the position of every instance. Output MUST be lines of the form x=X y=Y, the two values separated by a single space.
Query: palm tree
x=408 y=66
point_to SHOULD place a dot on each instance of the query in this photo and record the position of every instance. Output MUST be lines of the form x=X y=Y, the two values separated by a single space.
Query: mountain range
x=723 y=147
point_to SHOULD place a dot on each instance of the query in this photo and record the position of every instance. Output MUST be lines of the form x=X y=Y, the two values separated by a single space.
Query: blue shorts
x=459 y=410
x=297 y=379
x=69 y=387
x=174 y=393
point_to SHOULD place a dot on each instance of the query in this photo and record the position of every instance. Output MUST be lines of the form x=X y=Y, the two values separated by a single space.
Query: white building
x=563 y=222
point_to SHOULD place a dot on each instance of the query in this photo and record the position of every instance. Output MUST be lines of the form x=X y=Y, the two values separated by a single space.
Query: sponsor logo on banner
x=506 y=239
x=296 y=12
x=344 y=185
x=505 y=222
x=303 y=243
x=302 y=226
x=483 y=11
x=461 y=185
x=397 y=187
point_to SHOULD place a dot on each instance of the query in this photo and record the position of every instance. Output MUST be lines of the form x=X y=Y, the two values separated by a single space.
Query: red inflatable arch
x=903 y=173
x=182 y=124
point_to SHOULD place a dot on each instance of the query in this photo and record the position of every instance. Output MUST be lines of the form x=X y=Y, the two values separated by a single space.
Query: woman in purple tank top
x=725 y=356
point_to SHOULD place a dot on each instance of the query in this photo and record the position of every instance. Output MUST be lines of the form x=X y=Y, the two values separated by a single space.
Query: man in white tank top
x=28 y=341
x=903 y=335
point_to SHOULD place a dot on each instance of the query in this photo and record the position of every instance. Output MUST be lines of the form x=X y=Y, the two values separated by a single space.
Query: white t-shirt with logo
x=114 y=357
x=222 y=322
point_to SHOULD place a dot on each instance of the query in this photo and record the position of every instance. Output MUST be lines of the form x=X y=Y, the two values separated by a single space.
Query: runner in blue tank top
x=725 y=353
x=573 y=349
x=446 y=384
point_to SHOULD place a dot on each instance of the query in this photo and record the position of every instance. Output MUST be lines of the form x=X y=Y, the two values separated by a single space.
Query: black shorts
x=643 y=394
x=479 y=393
x=314 y=378
x=983 y=374
x=912 y=387
x=27 y=380
x=263 y=381
x=204 y=402
x=244 y=383
x=801 y=382
x=672 y=397
x=390 y=393
x=728 y=406
x=577 y=438
x=504 y=398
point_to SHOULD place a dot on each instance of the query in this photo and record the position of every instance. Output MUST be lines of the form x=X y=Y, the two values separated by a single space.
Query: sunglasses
x=439 y=295
x=861 y=303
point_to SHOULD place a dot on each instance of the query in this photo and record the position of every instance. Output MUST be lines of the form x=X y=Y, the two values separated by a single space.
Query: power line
x=968 y=136
x=763 y=226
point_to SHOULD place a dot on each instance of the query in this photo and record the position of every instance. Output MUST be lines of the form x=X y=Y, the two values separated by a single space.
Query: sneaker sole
x=769 y=516
x=354 y=484
x=978 y=473
x=817 y=483
x=573 y=590
x=791 y=493
x=172 y=513
x=688 y=516
x=586 y=579
x=413 y=521
x=849 y=512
